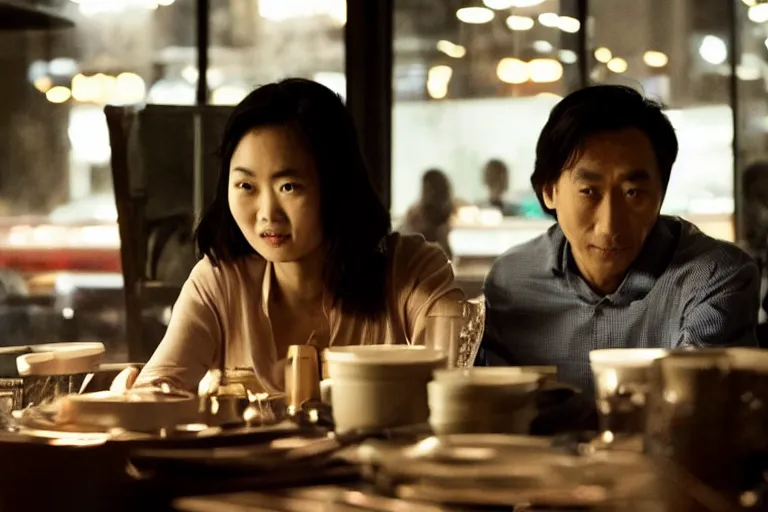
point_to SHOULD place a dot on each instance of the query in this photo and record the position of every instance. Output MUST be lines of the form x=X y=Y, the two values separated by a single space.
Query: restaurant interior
x=111 y=114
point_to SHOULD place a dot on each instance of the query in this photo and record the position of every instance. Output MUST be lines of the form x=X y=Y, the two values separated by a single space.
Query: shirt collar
x=650 y=264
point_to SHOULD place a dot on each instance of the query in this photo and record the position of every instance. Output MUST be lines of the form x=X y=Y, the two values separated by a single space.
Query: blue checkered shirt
x=684 y=289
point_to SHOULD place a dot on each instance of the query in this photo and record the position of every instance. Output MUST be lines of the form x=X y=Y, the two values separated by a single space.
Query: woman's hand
x=124 y=380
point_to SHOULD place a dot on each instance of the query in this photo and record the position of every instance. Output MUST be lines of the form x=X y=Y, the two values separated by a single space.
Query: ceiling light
x=526 y=3
x=512 y=71
x=758 y=13
x=475 y=15
x=499 y=4
x=549 y=19
x=713 y=49
x=655 y=59
x=617 y=65
x=603 y=55
x=567 y=56
x=568 y=24
x=519 y=23
x=542 y=46
x=452 y=50
x=545 y=70
x=58 y=94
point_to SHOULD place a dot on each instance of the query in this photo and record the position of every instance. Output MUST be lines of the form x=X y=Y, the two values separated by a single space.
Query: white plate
x=61 y=359
x=137 y=410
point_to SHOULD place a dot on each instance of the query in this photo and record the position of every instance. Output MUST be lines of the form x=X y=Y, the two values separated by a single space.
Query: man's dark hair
x=354 y=221
x=593 y=110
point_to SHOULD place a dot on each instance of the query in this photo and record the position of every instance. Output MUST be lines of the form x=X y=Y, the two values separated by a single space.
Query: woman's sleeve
x=431 y=290
x=191 y=344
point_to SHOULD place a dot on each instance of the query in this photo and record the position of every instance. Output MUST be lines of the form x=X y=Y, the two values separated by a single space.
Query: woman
x=296 y=247
x=431 y=216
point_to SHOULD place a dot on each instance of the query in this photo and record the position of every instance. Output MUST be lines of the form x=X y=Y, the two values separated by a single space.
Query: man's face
x=607 y=201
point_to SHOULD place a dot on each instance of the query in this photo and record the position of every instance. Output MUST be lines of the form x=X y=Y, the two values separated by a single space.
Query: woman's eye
x=586 y=192
x=245 y=186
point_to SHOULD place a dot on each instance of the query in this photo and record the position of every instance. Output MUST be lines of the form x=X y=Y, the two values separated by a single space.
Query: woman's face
x=274 y=194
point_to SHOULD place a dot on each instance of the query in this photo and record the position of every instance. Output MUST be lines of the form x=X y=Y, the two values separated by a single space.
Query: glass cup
x=443 y=332
x=621 y=386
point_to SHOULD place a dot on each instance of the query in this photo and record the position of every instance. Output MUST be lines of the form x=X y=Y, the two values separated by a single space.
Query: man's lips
x=608 y=251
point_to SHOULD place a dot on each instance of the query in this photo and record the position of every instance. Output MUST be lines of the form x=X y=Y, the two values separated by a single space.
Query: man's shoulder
x=527 y=260
x=697 y=248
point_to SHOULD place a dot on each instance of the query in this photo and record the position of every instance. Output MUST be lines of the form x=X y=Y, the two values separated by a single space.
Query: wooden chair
x=164 y=170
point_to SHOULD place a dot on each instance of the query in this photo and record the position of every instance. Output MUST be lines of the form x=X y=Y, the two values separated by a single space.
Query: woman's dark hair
x=436 y=202
x=355 y=221
x=593 y=110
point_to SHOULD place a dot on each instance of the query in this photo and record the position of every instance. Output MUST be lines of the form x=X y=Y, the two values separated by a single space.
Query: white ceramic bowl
x=380 y=386
x=383 y=362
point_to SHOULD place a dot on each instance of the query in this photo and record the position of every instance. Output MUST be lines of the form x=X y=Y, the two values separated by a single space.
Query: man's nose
x=611 y=217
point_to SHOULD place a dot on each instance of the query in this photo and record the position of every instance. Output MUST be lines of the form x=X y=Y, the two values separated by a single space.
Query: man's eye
x=634 y=192
x=288 y=188
x=587 y=192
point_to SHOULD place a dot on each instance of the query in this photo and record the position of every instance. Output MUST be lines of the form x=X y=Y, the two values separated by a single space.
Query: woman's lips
x=276 y=240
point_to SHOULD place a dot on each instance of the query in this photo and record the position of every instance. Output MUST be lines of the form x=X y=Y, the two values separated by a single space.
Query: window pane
x=58 y=230
x=471 y=86
x=753 y=123
x=678 y=52
x=254 y=42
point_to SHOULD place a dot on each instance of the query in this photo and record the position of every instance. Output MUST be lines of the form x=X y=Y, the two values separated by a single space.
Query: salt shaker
x=302 y=376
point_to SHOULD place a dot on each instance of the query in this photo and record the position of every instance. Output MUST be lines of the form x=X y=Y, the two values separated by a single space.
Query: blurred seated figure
x=496 y=179
x=755 y=185
x=296 y=249
x=431 y=216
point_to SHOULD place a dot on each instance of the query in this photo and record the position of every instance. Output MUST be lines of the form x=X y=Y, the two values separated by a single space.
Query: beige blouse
x=230 y=304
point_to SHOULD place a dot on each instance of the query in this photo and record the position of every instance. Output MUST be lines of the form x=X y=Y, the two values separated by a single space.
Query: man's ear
x=549 y=194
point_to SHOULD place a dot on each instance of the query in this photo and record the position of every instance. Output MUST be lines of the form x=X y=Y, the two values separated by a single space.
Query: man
x=612 y=272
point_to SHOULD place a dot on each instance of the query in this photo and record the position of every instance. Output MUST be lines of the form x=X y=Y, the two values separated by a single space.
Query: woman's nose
x=269 y=208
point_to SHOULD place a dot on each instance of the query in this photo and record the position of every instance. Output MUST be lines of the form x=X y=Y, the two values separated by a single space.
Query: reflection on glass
x=254 y=42
x=473 y=86
x=752 y=164
x=677 y=52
